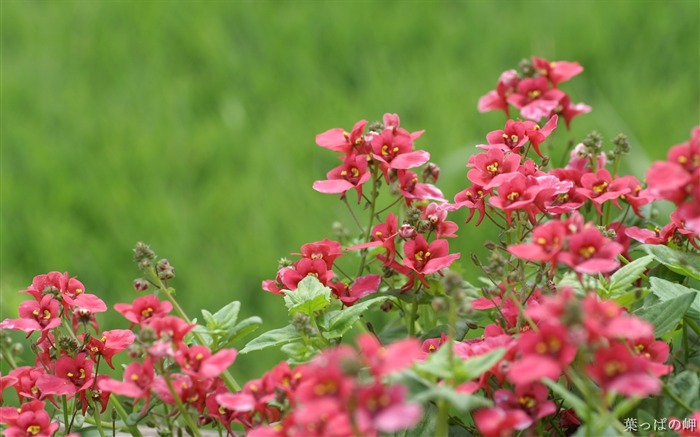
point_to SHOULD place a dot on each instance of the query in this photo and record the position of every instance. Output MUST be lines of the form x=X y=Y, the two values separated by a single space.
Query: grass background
x=191 y=125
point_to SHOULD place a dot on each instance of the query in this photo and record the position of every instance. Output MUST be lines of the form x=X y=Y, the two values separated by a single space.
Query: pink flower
x=383 y=360
x=351 y=174
x=411 y=189
x=547 y=241
x=339 y=140
x=615 y=369
x=31 y=421
x=424 y=258
x=384 y=409
x=138 y=378
x=543 y=354
x=25 y=384
x=383 y=235
x=327 y=250
x=393 y=148
x=517 y=133
x=589 y=252
x=497 y=99
x=436 y=214
x=73 y=375
x=599 y=187
x=474 y=199
x=303 y=268
x=535 y=99
x=363 y=286
x=144 y=309
x=486 y=166
x=198 y=361
x=35 y=316
x=558 y=71
x=514 y=193
x=109 y=344
x=498 y=422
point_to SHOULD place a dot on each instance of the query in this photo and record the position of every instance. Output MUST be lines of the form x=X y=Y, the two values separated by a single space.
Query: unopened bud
x=143 y=251
x=475 y=260
x=407 y=232
x=375 y=126
x=140 y=284
x=526 y=68
x=438 y=304
x=165 y=269
x=387 y=306
x=284 y=262
x=431 y=172
x=17 y=349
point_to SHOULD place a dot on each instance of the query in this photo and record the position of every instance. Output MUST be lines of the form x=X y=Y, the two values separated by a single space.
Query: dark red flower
x=109 y=344
x=424 y=258
x=73 y=375
x=363 y=286
x=198 y=361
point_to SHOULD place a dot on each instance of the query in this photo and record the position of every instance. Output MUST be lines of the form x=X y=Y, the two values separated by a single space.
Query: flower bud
x=431 y=172
x=140 y=284
x=387 y=306
x=165 y=270
x=438 y=304
x=143 y=251
x=407 y=232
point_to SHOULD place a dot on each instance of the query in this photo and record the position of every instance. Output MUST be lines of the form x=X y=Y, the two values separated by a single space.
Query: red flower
x=599 y=187
x=486 y=166
x=532 y=398
x=616 y=369
x=73 y=375
x=517 y=133
x=436 y=214
x=198 y=361
x=497 y=99
x=25 y=384
x=69 y=291
x=35 y=316
x=558 y=71
x=30 y=421
x=144 y=309
x=351 y=174
x=424 y=258
x=411 y=189
x=589 y=252
x=363 y=286
x=384 y=409
x=171 y=329
x=383 y=360
x=339 y=140
x=303 y=268
x=516 y=192
x=327 y=250
x=543 y=354
x=393 y=148
x=473 y=198
x=547 y=242
x=383 y=235
x=497 y=422
x=109 y=344
x=535 y=99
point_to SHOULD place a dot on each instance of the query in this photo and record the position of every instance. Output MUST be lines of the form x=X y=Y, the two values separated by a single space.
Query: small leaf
x=228 y=315
x=475 y=366
x=686 y=387
x=622 y=279
x=340 y=321
x=242 y=329
x=666 y=291
x=461 y=401
x=684 y=263
x=309 y=297
x=666 y=315
x=276 y=337
x=209 y=319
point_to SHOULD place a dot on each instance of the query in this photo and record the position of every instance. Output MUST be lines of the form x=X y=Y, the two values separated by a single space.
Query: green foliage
x=309 y=297
x=223 y=329
x=667 y=314
x=666 y=291
x=273 y=338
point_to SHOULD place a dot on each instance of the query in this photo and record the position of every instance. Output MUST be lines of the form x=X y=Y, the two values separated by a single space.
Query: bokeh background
x=191 y=125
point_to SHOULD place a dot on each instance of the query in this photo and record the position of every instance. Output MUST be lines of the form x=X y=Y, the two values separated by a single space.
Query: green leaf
x=228 y=315
x=438 y=365
x=684 y=263
x=276 y=337
x=461 y=401
x=474 y=367
x=309 y=297
x=622 y=279
x=666 y=291
x=242 y=329
x=686 y=386
x=569 y=397
x=337 y=323
x=209 y=319
x=666 y=315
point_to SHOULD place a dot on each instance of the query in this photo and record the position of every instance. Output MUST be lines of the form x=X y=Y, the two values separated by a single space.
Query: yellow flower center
x=600 y=187
x=587 y=251
x=512 y=196
x=493 y=168
x=34 y=429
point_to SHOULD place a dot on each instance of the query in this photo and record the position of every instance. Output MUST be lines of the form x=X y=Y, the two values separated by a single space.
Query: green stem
x=98 y=420
x=442 y=428
x=183 y=409
x=368 y=230
x=124 y=416
x=677 y=400
x=64 y=404
x=412 y=318
x=7 y=356
x=228 y=379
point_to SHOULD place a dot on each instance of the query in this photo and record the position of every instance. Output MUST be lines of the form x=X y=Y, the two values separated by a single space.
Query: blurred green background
x=191 y=125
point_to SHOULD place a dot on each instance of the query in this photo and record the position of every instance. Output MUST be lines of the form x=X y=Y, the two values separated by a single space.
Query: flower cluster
x=341 y=392
x=534 y=91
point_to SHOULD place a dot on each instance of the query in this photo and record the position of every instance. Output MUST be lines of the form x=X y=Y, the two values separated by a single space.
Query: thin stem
x=352 y=213
x=98 y=420
x=183 y=409
x=134 y=430
x=442 y=428
x=677 y=400
x=372 y=206
x=64 y=404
